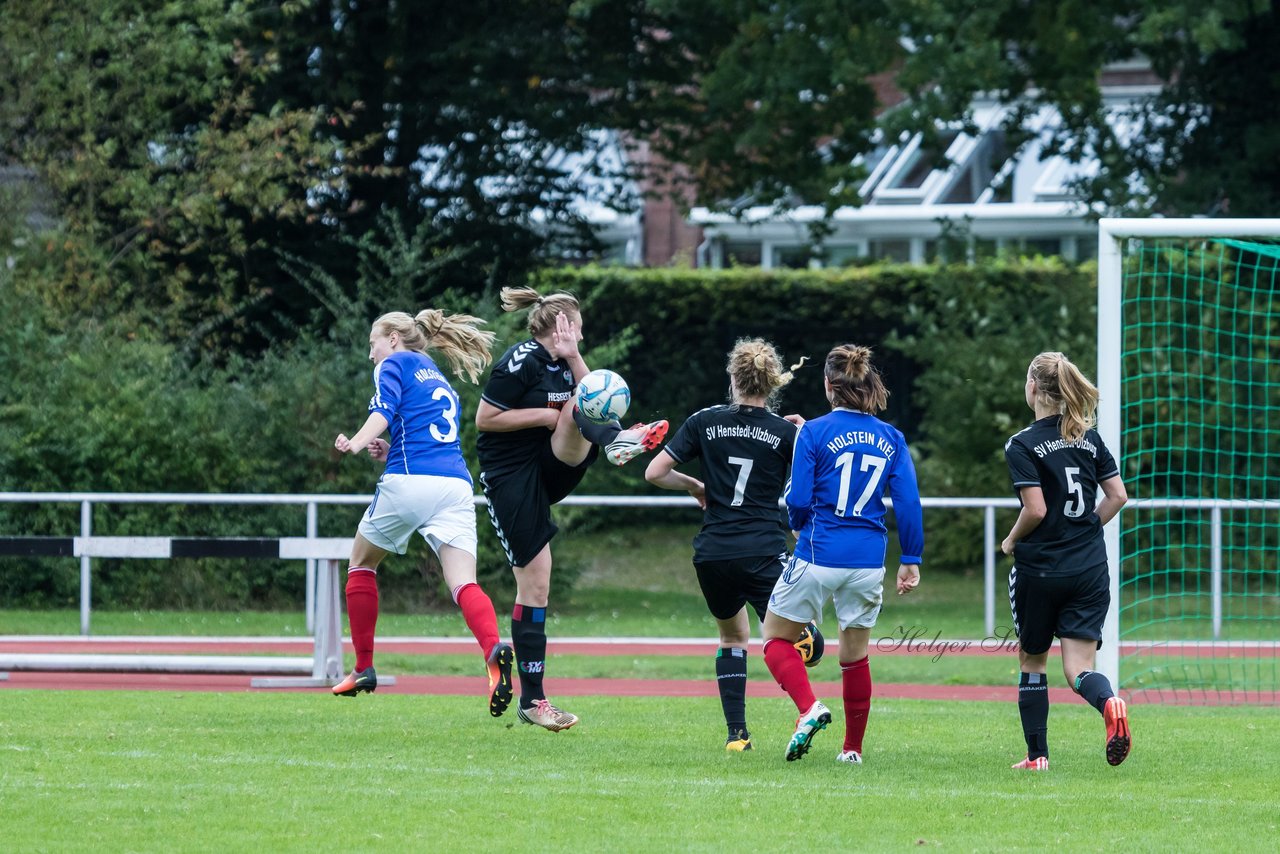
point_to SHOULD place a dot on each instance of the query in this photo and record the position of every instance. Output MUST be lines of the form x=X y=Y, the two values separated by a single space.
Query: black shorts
x=1068 y=606
x=727 y=585
x=520 y=501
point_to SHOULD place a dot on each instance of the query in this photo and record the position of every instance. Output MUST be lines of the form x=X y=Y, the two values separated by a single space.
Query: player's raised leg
x=621 y=446
x=635 y=440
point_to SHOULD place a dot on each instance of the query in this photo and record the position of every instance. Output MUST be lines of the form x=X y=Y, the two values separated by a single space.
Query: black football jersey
x=745 y=453
x=526 y=377
x=1069 y=538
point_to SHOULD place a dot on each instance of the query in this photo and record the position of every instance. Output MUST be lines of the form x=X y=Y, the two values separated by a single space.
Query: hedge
x=97 y=409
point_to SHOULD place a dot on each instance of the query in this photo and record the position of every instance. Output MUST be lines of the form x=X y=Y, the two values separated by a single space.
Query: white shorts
x=803 y=589
x=442 y=509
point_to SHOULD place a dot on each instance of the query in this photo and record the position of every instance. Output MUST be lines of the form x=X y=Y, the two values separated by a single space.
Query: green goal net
x=1190 y=350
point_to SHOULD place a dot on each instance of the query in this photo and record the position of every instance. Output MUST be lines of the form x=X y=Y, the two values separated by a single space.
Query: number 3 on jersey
x=450 y=415
x=870 y=463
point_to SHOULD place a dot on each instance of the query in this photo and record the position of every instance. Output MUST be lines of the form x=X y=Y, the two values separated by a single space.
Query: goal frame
x=1111 y=233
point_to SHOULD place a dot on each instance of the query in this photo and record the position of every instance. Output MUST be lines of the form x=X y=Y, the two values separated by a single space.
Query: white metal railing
x=988 y=506
x=87 y=500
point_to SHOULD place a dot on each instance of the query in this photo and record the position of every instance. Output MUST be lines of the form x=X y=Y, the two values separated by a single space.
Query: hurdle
x=324 y=668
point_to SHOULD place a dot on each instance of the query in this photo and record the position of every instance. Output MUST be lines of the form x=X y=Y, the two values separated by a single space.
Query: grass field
x=146 y=771
x=267 y=772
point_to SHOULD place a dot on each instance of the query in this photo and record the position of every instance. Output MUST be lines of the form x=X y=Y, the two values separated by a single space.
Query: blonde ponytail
x=457 y=337
x=542 y=310
x=1062 y=386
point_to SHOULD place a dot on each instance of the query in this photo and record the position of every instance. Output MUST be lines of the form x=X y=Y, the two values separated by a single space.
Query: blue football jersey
x=422 y=412
x=843 y=464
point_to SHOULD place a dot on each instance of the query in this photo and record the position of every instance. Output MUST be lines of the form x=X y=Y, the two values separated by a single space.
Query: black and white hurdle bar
x=325 y=665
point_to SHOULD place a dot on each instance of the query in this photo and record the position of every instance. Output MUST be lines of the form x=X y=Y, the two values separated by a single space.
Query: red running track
x=477 y=686
x=635 y=647
x=456 y=685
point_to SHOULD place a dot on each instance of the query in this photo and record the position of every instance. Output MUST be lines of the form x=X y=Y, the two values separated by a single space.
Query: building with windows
x=967 y=197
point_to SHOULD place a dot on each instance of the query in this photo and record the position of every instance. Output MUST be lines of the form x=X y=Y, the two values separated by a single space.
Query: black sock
x=731 y=679
x=596 y=434
x=1033 y=707
x=1095 y=688
x=529 y=637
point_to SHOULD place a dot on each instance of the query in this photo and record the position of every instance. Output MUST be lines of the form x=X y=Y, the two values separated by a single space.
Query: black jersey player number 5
x=1076 y=490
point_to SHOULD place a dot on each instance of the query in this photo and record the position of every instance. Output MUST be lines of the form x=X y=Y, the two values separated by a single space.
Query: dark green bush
x=952 y=342
x=100 y=408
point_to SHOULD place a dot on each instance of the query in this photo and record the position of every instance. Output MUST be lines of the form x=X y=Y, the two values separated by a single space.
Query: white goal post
x=1111 y=234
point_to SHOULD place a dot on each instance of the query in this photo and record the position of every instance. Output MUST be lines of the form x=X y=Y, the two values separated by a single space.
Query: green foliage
x=185 y=154
x=189 y=150
x=953 y=344
x=99 y=410
x=168 y=176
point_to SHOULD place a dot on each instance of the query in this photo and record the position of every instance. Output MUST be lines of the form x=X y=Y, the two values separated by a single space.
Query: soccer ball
x=811 y=645
x=603 y=396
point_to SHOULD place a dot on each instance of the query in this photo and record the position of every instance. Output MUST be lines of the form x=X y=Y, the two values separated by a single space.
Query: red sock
x=477 y=610
x=362 y=612
x=856 y=681
x=787 y=667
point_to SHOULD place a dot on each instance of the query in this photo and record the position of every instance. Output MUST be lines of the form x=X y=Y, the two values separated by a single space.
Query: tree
x=497 y=119
x=190 y=146
x=1205 y=144
x=141 y=120
x=192 y=151
x=1210 y=142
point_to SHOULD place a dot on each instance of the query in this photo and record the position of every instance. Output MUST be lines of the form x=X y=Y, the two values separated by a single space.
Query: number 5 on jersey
x=1074 y=511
